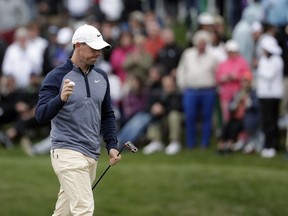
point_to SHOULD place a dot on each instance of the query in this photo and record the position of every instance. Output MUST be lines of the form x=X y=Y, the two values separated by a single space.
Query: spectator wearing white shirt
x=37 y=46
x=270 y=90
x=17 y=62
x=196 y=77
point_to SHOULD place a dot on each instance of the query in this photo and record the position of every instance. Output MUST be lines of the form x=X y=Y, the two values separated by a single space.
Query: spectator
x=9 y=96
x=110 y=32
x=234 y=12
x=275 y=12
x=78 y=10
x=36 y=47
x=269 y=88
x=131 y=7
x=268 y=31
x=220 y=28
x=166 y=111
x=134 y=97
x=17 y=60
x=199 y=88
x=171 y=11
x=24 y=121
x=217 y=47
x=115 y=91
x=51 y=50
x=119 y=54
x=14 y=13
x=63 y=45
x=244 y=116
x=229 y=75
x=139 y=60
x=153 y=16
x=40 y=148
x=169 y=55
x=154 y=41
x=257 y=32
x=242 y=33
x=136 y=22
x=112 y=9
x=206 y=21
x=137 y=125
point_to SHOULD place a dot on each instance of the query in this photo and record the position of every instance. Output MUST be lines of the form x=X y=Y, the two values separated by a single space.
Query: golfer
x=75 y=96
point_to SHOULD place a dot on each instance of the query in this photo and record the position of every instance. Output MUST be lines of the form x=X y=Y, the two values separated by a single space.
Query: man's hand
x=67 y=89
x=114 y=157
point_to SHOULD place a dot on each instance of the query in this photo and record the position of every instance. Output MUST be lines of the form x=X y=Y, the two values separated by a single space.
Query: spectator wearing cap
x=206 y=21
x=270 y=90
x=228 y=75
x=64 y=48
x=136 y=22
x=196 y=78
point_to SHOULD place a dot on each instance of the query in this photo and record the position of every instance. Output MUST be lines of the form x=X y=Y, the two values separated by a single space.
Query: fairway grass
x=191 y=183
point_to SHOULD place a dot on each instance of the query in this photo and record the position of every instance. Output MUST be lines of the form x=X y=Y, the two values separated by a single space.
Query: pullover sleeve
x=108 y=123
x=49 y=101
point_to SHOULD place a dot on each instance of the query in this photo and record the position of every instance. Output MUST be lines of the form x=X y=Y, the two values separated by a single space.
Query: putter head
x=131 y=147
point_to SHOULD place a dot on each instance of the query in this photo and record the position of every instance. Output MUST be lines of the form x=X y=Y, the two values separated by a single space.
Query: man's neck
x=84 y=68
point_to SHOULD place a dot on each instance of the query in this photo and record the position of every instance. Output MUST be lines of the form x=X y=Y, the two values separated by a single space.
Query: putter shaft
x=128 y=145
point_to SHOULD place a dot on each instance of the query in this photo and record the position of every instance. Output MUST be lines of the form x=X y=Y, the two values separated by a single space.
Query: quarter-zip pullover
x=77 y=123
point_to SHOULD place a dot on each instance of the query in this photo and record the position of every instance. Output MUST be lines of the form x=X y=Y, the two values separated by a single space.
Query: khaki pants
x=76 y=174
x=172 y=122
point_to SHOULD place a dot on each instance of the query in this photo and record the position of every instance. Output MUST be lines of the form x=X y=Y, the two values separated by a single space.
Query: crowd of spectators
x=228 y=77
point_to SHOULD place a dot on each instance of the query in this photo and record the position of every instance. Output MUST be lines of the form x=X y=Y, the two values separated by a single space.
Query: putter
x=130 y=146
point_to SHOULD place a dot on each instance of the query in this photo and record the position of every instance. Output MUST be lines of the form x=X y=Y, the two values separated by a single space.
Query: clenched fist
x=67 y=89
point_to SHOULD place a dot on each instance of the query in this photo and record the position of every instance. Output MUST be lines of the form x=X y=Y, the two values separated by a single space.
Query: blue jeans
x=134 y=127
x=199 y=102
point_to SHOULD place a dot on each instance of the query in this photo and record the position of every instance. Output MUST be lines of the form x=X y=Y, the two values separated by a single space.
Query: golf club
x=130 y=146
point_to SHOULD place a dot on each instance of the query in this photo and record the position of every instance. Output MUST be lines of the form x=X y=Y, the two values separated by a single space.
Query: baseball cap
x=91 y=36
x=64 y=35
x=270 y=44
x=232 y=46
x=206 y=18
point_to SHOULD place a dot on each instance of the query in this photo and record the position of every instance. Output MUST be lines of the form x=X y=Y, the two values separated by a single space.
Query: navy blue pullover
x=78 y=123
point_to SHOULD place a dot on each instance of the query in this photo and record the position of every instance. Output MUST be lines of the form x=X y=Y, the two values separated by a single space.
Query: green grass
x=192 y=183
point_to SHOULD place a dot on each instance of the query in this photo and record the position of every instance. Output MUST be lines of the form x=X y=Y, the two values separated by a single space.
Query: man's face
x=201 y=46
x=87 y=54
